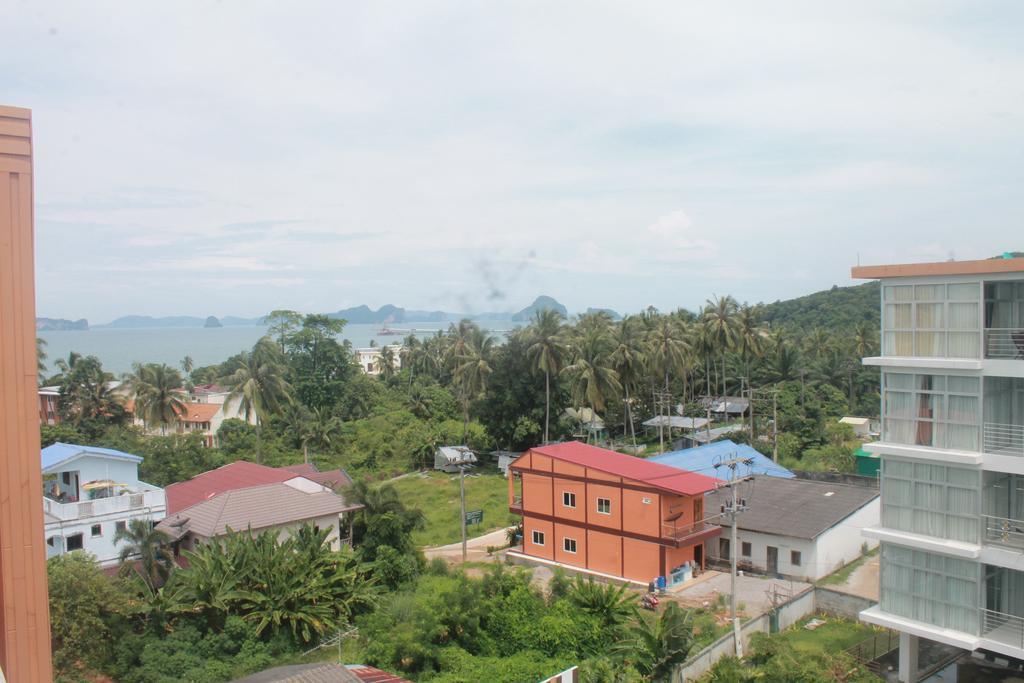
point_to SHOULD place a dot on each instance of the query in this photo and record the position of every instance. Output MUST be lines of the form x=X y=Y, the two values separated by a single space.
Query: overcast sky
x=235 y=157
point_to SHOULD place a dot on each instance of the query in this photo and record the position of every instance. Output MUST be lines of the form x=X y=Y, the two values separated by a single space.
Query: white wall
x=758 y=557
x=285 y=531
x=98 y=467
x=842 y=543
x=102 y=546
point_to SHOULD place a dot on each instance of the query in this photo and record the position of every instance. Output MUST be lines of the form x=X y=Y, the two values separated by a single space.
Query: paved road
x=476 y=548
x=752 y=591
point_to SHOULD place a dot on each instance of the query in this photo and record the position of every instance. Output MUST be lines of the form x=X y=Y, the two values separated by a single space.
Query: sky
x=229 y=158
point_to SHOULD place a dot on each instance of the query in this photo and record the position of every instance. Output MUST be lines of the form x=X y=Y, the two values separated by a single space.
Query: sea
x=118 y=349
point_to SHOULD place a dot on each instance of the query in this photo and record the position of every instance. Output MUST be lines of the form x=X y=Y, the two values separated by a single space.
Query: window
x=941 y=411
x=932 y=320
x=931 y=499
x=569 y=544
x=75 y=542
x=538 y=538
x=794 y=558
x=120 y=526
x=568 y=499
x=604 y=506
x=97 y=530
x=745 y=549
x=936 y=589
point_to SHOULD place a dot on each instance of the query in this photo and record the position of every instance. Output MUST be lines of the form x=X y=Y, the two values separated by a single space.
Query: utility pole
x=775 y=426
x=750 y=393
x=462 y=506
x=731 y=509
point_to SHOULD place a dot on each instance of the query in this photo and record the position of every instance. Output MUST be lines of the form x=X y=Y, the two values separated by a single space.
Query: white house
x=861 y=425
x=450 y=458
x=89 y=494
x=206 y=409
x=368 y=358
x=798 y=528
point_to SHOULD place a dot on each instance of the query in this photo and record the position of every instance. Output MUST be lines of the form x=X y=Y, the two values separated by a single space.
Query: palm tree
x=815 y=343
x=472 y=370
x=864 y=339
x=322 y=428
x=40 y=358
x=750 y=336
x=187 y=364
x=259 y=386
x=157 y=390
x=655 y=646
x=386 y=363
x=612 y=605
x=148 y=546
x=547 y=353
x=86 y=392
x=627 y=359
x=593 y=379
x=65 y=366
x=720 y=323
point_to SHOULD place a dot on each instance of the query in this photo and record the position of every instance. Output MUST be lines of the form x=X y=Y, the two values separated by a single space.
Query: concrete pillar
x=908 y=658
x=24 y=607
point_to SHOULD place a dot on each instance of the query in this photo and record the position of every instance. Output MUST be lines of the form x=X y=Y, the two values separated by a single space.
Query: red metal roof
x=241 y=475
x=653 y=474
x=369 y=674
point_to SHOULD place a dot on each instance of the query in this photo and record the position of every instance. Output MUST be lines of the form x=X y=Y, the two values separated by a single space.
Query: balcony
x=1004 y=531
x=1004 y=343
x=693 y=532
x=104 y=506
x=1003 y=439
x=1002 y=628
x=515 y=506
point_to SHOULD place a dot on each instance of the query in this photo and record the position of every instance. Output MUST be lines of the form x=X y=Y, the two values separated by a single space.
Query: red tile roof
x=199 y=412
x=241 y=475
x=368 y=674
x=653 y=474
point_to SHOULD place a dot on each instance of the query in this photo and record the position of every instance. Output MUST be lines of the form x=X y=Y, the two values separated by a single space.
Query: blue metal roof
x=57 y=453
x=703 y=459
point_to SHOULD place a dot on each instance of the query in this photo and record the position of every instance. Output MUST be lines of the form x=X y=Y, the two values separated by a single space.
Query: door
x=723 y=549
x=773 y=560
x=698 y=555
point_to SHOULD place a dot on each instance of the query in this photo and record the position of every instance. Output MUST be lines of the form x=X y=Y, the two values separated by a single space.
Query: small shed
x=867 y=463
x=861 y=425
x=450 y=458
x=505 y=458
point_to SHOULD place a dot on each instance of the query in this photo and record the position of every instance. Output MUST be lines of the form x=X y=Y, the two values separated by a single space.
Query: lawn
x=835 y=635
x=437 y=495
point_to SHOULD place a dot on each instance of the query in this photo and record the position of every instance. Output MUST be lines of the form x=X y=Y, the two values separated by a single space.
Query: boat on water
x=389 y=332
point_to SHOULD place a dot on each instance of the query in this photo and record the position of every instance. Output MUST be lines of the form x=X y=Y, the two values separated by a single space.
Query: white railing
x=1003 y=628
x=1004 y=530
x=1003 y=439
x=1004 y=342
x=104 y=506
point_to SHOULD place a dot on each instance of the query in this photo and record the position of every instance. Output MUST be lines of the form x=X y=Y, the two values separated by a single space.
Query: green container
x=867 y=463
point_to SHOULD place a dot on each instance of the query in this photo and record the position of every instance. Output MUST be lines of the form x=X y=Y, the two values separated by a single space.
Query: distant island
x=388 y=314
x=60 y=324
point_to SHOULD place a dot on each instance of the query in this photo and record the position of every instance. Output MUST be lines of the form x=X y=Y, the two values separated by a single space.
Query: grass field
x=833 y=636
x=437 y=495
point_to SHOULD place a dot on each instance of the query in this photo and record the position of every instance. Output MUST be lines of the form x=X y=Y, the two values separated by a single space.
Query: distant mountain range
x=358 y=315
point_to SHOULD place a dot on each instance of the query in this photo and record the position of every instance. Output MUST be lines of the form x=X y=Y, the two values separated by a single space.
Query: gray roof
x=303 y=673
x=456 y=454
x=706 y=436
x=256 y=507
x=798 y=508
x=677 y=421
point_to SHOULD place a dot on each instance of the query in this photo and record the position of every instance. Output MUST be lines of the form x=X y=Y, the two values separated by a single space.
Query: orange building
x=611 y=513
x=24 y=609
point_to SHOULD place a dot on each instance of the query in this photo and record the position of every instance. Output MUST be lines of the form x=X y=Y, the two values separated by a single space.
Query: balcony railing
x=680 y=532
x=1004 y=439
x=1004 y=531
x=1003 y=628
x=516 y=503
x=104 y=506
x=1004 y=342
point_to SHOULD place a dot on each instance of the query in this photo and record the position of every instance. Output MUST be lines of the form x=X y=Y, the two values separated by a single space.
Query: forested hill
x=836 y=308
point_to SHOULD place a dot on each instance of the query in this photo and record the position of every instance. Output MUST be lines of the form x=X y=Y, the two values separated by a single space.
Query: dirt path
x=476 y=548
x=863 y=580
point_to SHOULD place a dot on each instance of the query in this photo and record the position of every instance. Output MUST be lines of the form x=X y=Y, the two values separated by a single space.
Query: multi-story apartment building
x=610 y=513
x=952 y=455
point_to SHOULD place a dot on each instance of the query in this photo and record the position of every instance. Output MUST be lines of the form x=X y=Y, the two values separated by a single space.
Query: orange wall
x=638 y=516
x=613 y=520
x=537 y=493
x=576 y=514
x=676 y=556
x=529 y=547
x=641 y=560
x=579 y=558
x=605 y=552
x=24 y=609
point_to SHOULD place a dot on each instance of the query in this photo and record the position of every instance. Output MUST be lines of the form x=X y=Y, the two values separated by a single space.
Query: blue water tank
x=661 y=582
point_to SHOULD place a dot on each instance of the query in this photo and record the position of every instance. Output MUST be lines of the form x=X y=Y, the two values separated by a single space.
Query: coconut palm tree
x=627 y=359
x=40 y=358
x=65 y=366
x=815 y=343
x=612 y=605
x=259 y=385
x=472 y=368
x=750 y=336
x=157 y=390
x=655 y=646
x=593 y=379
x=386 y=363
x=149 y=547
x=547 y=352
x=720 y=322
x=187 y=364
x=323 y=427
x=864 y=340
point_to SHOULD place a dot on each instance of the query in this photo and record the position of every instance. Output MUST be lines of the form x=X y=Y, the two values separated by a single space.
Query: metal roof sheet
x=702 y=460
x=57 y=453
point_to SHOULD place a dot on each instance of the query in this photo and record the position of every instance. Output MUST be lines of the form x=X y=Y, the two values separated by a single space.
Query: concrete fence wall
x=812 y=601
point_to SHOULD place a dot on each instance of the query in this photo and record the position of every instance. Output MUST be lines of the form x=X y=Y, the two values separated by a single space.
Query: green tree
x=147 y=546
x=593 y=379
x=259 y=386
x=281 y=324
x=654 y=646
x=627 y=359
x=472 y=368
x=548 y=352
x=613 y=606
x=386 y=363
x=721 y=325
x=157 y=390
x=40 y=358
x=87 y=398
x=187 y=365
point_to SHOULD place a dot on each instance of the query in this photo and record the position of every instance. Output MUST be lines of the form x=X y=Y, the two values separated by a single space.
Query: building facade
x=952 y=455
x=609 y=513
x=89 y=494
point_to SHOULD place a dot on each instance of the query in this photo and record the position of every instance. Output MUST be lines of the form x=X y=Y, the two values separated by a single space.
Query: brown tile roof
x=199 y=412
x=980 y=267
x=322 y=673
x=335 y=479
x=256 y=507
